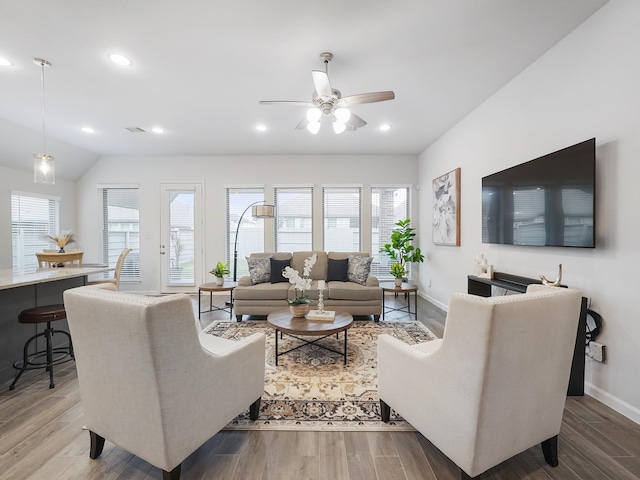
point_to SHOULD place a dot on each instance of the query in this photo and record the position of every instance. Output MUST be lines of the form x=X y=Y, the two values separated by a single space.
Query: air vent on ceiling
x=136 y=129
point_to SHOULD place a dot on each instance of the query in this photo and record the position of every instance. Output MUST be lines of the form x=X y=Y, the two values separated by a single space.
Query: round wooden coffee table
x=284 y=322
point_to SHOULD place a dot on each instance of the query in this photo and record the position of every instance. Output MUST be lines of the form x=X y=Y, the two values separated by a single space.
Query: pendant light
x=44 y=167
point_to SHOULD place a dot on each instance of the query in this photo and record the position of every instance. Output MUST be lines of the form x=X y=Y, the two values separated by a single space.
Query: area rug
x=312 y=389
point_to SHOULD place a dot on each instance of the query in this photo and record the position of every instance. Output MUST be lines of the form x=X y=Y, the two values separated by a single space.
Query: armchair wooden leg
x=173 y=474
x=254 y=409
x=97 y=444
x=376 y=318
x=238 y=318
x=550 y=451
x=385 y=411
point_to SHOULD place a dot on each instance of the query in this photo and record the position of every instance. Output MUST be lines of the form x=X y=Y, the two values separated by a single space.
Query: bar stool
x=52 y=356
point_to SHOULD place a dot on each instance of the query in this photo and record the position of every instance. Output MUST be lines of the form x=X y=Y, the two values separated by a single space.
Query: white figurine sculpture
x=482 y=268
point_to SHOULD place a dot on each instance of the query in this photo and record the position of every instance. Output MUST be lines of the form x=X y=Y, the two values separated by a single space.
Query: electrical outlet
x=429 y=283
x=597 y=351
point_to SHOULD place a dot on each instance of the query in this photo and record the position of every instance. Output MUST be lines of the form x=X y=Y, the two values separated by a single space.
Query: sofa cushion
x=259 y=269
x=337 y=270
x=262 y=291
x=276 y=270
x=318 y=271
x=352 y=291
x=359 y=268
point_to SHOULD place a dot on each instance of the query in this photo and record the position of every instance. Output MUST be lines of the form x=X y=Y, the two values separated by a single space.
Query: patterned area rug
x=312 y=389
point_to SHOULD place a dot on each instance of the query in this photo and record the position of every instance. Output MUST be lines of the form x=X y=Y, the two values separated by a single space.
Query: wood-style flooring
x=41 y=438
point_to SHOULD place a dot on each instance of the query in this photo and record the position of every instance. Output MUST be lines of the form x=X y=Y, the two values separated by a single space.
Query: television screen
x=549 y=201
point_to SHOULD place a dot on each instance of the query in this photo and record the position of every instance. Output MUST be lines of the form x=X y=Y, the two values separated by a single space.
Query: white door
x=181 y=237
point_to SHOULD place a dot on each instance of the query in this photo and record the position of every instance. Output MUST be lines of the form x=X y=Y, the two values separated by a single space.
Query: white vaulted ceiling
x=200 y=68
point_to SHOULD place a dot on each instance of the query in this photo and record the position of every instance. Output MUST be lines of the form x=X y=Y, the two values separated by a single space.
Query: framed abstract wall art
x=446 y=209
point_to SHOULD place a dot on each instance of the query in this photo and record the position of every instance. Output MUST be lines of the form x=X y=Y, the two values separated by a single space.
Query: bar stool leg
x=25 y=357
x=48 y=334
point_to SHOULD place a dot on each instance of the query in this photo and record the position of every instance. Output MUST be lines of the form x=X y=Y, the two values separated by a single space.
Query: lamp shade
x=263 y=211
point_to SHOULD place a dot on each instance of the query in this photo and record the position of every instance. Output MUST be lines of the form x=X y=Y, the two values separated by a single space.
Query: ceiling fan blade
x=321 y=82
x=354 y=122
x=366 y=98
x=292 y=103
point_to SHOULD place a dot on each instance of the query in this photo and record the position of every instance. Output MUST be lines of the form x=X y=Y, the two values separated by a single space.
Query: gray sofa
x=365 y=298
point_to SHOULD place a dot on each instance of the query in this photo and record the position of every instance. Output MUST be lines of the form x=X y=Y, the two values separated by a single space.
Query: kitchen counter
x=22 y=289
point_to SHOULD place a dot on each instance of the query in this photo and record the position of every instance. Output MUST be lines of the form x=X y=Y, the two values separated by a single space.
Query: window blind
x=294 y=222
x=32 y=218
x=121 y=229
x=388 y=205
x=342 y=218
x=251 y=232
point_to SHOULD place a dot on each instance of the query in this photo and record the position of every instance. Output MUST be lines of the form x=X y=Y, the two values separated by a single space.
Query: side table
x=214 y=287
x=406 y=289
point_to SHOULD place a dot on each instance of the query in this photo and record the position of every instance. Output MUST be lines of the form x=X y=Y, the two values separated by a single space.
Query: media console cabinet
x=482 y=287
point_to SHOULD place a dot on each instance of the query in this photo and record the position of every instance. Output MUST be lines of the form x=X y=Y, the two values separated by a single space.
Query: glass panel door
x=181 y=243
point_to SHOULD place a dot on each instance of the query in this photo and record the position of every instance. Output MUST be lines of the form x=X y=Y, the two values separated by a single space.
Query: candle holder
x=321 y=302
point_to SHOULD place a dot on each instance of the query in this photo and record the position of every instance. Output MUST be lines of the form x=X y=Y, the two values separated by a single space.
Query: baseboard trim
x=620 y=406
x=434 y=301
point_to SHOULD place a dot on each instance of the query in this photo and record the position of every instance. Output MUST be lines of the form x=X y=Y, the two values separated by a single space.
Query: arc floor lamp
x=259 y=209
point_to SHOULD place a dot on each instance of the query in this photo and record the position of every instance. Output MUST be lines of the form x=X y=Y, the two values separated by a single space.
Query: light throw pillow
x=337 y=270
x=259 y=269
x=276 y=270
x=359 y=268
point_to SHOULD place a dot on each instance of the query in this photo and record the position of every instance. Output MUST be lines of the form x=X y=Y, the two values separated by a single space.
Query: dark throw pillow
x=276 y=270
x=337 y=270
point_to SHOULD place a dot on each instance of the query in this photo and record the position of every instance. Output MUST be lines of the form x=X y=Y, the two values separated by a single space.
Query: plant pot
x=299 y=310
x=398 y=281
x=220 y=281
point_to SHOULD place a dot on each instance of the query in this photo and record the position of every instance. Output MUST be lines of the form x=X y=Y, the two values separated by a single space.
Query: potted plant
x=219 y=271
x=299 y=305
x=400 y=249
x=398 y=271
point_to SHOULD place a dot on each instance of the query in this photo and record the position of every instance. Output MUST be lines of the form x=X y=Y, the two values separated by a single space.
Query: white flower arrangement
x=300 y=283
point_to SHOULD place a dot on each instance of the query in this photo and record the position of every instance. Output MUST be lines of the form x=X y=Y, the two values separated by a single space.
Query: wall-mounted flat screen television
x=548 y=201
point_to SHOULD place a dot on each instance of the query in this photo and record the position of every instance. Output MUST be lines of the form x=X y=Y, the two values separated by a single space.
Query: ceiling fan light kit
x=329 y=102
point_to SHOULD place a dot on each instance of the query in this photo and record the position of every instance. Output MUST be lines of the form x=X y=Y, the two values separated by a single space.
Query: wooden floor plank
x=414 y=462
x=41 y=439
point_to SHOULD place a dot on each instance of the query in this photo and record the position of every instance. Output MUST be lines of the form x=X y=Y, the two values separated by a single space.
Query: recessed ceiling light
x=385 y=127
x=5 y=62
x=261 y=127
x=157 y=130
x=88 y=130
x=120 y=59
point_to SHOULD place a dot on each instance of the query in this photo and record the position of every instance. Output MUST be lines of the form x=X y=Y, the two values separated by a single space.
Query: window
x=294 y=210
x=121 y=229
x=341 y=211
x=388 y=205
x=250 y=234
x=32 y=218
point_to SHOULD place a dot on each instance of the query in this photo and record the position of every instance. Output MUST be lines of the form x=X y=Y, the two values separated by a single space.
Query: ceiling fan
x=329 y=102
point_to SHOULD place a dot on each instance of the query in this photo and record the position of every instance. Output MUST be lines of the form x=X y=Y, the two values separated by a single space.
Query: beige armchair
x=495 y=384
x=149 y=382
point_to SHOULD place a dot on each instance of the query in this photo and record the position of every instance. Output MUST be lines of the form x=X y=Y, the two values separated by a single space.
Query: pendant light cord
x=44 y=134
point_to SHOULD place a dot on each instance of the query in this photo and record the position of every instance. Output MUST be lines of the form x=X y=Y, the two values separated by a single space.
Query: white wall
x=586 y=86
x=22 y=181
x=218 y=172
